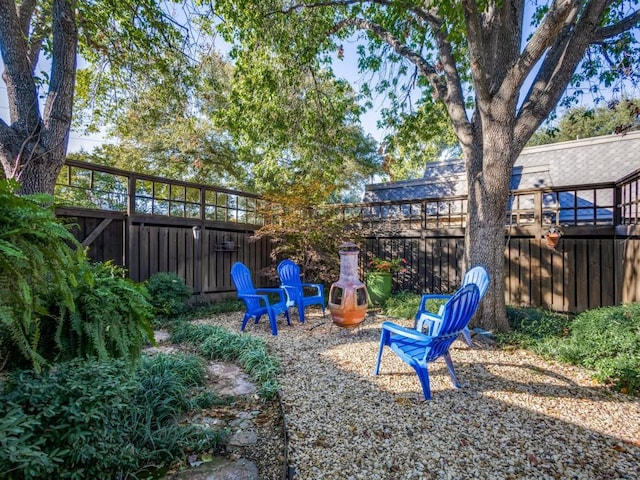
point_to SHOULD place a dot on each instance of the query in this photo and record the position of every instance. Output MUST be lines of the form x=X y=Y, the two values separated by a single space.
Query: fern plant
x=111 y=316
x=36 y=252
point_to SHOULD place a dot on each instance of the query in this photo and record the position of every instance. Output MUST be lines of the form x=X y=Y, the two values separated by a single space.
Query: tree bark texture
x=489 y=164
x=33 y=146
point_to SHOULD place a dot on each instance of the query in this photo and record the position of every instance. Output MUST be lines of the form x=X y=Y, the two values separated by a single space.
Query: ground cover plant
x=605 y=340
x=99 y=419
x=215 y=342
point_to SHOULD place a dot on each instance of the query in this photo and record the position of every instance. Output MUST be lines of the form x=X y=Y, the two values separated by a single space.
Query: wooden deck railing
x=93 y=186
x=628 y=200
x=578 y=205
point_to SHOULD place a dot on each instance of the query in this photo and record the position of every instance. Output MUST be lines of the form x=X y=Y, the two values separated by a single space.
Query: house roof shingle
x=587 y=161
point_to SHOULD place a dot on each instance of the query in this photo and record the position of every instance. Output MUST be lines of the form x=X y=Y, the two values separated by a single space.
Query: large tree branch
x=623 y=25
x=561 y=13
x=503 y=25
x=450 y=93
x=21 y=89
x=454 y=97
x=426 y=69
x=25 y=12
x=475 y=44
x=39 y=32
x=557 y=69
x=59 y=105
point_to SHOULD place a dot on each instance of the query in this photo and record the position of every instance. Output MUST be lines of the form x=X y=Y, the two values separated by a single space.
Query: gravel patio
x=516 y=416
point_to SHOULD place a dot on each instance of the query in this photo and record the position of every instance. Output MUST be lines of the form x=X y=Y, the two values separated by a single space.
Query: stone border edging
x=288 y=471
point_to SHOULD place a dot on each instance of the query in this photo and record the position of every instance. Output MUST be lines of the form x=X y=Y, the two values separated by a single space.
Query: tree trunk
x=489 y=166
x=33 y=146
x=40 y=175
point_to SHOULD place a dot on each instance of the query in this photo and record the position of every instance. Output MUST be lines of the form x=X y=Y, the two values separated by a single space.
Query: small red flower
x=388 y=266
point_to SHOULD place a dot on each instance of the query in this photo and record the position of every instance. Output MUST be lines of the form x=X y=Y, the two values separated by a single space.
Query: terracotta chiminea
x=348 y=296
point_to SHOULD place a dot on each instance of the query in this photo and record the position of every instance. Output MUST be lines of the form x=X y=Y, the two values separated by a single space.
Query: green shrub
x=111 y=317
x=169 y=294
x=99 y=420
x=535 y=328
x=402 y=305
x=406 y=304
x=608 y=341
x=36 y=255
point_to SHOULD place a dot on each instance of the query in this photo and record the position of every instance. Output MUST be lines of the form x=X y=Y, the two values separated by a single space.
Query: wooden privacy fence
x=597 y=262
x=151 y=224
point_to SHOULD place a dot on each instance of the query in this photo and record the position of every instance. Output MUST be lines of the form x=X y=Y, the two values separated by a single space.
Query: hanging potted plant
x=379 y=277
x=552 y=236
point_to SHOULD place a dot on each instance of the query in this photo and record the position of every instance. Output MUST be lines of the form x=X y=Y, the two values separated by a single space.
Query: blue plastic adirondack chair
x=418 y=349
x=257 y=301
x=298 y=293
x=477 y=276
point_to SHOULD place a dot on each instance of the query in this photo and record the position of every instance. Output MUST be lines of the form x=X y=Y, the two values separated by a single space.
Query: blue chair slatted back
x=455 y=316
x=257 y=301
x=478 y=276
x=241 y=277
x=289 y=273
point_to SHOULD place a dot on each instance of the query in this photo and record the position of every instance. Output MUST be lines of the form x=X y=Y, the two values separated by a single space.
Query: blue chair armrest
x=279 y=291
x=427 y=321
x=405 y=332
x=264 y=298
x=291 y=293
x=318 y=286
x=431 y=296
